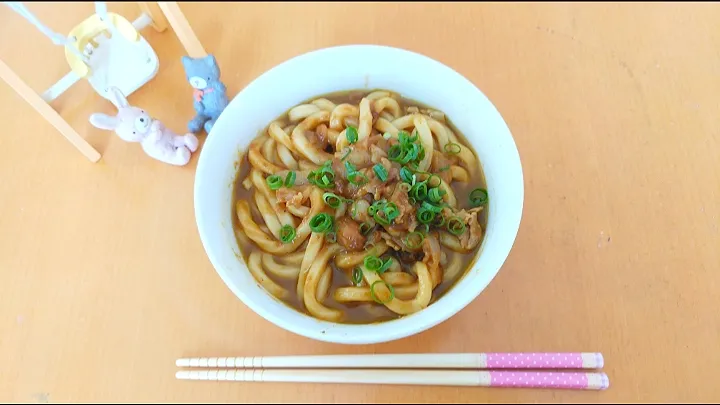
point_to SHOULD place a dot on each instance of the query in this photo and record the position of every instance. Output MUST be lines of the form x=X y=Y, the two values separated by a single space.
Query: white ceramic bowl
x=347 y=68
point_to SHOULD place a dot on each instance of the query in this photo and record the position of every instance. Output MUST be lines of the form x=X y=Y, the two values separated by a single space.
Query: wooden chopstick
x=478 y=361
x=511 y=379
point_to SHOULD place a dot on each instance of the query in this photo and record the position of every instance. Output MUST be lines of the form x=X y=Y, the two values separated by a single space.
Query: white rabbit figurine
x=133 y=124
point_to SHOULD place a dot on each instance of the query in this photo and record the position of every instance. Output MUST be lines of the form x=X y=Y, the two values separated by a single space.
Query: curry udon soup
x=359 y=207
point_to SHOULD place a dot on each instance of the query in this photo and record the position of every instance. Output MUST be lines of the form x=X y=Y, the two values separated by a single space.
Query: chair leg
x=47 y=112
x=152 y=9
x=182 y=29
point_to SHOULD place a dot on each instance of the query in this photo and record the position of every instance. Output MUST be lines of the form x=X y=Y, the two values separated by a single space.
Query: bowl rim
x=406 y=325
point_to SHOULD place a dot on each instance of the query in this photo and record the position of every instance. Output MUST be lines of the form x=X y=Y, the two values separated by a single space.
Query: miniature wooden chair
x=103 y=59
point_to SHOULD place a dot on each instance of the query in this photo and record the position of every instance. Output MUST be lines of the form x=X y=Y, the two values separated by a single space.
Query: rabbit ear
x=117 y=97
x=103 y=121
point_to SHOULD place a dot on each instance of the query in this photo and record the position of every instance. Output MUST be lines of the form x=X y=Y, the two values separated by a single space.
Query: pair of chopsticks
x=518 y=370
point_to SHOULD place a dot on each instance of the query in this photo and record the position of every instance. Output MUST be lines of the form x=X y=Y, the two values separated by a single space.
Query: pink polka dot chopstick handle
x=544 y=379
x=542 y=360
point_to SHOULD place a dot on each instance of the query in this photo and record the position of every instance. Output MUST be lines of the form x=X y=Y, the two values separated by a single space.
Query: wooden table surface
x=614 y=109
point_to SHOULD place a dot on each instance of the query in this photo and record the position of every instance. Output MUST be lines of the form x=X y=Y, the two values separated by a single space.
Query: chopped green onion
x=415 y=136
x=424 y=227
x=406 y=175
x=386 y=265
x=435 y=194
x=290 y=179
x=347 y=153
x=365 y=228
x=351 y=134
x=441 y=222
x=414 y=240
x=274 y=182
x=406 y=151
x=355 y=177
x=412 y=152
x=357 y=276
x=321 y=223
x=327 y=175
x=349 y=169
x=372 y=263
x=405 y=138
x=430 y=207
x=421 y=155
x=455 y=226
x=425 y=216
x=324 y=182
x=322 y=177
x=381 y=219
x=380 y=172
x=391 y=211
x=376 y=206
x=395 y=153
x=444 y=168
x=332 y=200
x=478 y=197
x=389 y=287
x=387 y=135
x=419 y=191
x=358 y=179
x=287 y=234
x=452 y=148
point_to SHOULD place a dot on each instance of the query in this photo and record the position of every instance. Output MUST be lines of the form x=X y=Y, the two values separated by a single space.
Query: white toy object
x=133 y=124
x=106 y=49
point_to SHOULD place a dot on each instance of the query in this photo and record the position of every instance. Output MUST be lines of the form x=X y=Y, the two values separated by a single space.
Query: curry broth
x=360 y=313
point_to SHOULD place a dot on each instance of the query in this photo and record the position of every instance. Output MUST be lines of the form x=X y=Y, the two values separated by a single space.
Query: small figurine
x=133 y=124
x=210 y=98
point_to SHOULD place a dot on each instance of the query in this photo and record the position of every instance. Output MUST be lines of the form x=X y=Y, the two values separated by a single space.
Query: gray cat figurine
x=210 y=98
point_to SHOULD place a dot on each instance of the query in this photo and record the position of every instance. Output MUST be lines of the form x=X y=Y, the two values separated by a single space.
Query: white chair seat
x=121 y=63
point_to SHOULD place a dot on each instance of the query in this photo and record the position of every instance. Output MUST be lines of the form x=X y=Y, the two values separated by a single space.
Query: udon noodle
x=359 y=207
